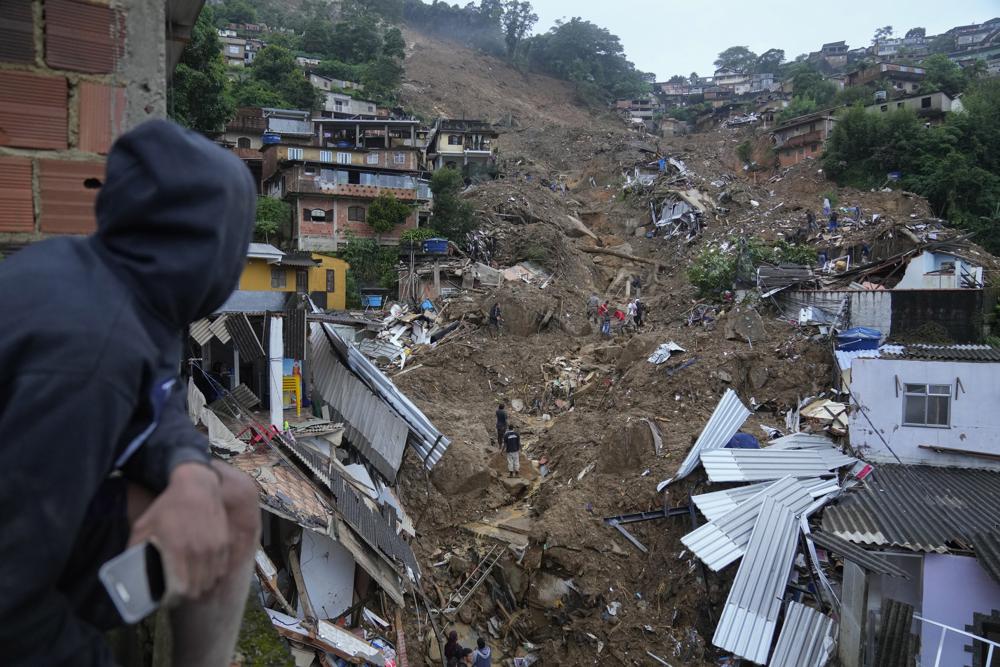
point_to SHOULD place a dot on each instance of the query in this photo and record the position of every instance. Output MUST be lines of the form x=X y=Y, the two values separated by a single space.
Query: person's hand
x=187 y=523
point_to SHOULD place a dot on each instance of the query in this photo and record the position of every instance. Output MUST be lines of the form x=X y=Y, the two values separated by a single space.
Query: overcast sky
x=683 y=36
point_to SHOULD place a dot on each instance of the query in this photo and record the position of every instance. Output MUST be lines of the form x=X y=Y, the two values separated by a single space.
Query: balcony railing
x=991 y=647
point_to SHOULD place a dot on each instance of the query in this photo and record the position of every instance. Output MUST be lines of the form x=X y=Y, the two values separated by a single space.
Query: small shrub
x=712 y=272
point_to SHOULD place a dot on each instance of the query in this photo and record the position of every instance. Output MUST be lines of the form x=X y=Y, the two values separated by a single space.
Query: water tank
x=270 y=138
x=436 y=246
x=880 y=96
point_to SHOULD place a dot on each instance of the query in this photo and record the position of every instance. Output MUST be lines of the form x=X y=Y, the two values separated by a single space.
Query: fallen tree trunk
x=622 y=255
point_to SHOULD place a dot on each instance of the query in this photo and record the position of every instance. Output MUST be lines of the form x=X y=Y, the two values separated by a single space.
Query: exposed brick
x=16 y=211
x=68 y=206
x=82 y=37
x=17 y=40
x=32 y=110
x=102 y=109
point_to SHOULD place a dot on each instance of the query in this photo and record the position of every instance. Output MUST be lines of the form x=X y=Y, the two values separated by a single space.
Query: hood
x=485 y=652
x=174 y=218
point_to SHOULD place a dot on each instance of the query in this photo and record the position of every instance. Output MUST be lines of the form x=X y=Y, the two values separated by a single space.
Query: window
x=338 y=105
x=243 y=142
x=331 y=280
x=344 y=158
x=278 y=279
x=454 y=140
x=884 y=108
x=234 y=50
x=926 y=405
x=295 y=154
x=309 y=170
x=925 y=103
x=371 y=109
x=899 y=105
x=399 y=158
x=814 y=148
x=356 y=213
x=317 y=215
x=371 y=158
x=326 y=156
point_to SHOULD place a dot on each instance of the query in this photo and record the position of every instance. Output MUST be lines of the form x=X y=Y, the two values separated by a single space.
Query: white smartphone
x=134 y=580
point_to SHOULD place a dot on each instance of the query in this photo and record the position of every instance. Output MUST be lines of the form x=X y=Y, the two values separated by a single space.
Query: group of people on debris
x=602 y=313
x=456 y=655
x=509 y=441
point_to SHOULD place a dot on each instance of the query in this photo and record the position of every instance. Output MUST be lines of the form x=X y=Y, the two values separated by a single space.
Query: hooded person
x=482 y=656
x=98 y=448
x=452 y=650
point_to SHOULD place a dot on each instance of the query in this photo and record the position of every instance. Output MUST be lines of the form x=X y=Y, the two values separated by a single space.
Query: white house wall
x=974 y=415
x=955 y=588
x=916 y=272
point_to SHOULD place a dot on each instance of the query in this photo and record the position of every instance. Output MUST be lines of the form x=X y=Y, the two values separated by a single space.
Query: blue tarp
x=743 y=441
x=859 y=338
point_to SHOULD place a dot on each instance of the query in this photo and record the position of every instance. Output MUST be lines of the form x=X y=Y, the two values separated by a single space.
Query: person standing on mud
x=606 y=320
x=501 y=425
x=512 y=443
x=592 y=304
x=495 y=319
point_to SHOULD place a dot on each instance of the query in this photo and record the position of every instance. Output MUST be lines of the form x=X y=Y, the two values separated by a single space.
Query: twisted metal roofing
x=719 y=543
x=922 y=508
x=946 y=353
x=714 y=505
x=750 y=615
x=726 y=420
x=807 y=638
x=852 y=552
x=751 y=465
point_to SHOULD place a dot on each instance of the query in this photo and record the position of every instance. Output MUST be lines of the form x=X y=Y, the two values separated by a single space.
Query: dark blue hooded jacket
x=89 y=355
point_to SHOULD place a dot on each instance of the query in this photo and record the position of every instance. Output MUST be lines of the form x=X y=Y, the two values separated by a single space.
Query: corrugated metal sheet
x=987 y=546
x=377 y=432
x=714 y=505
x=16 y=209
x=67 y=205
x=801 y=441
x=254 y=303
x=852 y=552
x=295 y=333
x=719 y=543
x=82 y=37
x=245 y=338
x=429 y=443
x=201 y=331
x=289 y=126
x=751 y=465
x=946 y=353
x=807 y=638
x=896 y=646
x=33 y=110
x=726 y=420
x=923 y=508
x=17 y=39
x=218 y=328
x=750 y=615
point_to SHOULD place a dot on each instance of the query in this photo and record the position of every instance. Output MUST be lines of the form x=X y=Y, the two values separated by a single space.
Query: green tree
x=942 y=74
x=916 y=32
x=382 y=79
x=518 y=20
x=386 y=212
x=770 y=61
x=274 y=69
x=316 y=38
x=341 y=70
x=677 y=78
x=808 y=82
x=272 y=216
x=693 y=78
x=884 y=32
x=371 y=264
x=236 y=11
x=198 y=96
x=453 y=216
x=799 y=106
x=356 y=39
x=393 y=44
x=491 y=11
x=737 y=58
x=248 y=92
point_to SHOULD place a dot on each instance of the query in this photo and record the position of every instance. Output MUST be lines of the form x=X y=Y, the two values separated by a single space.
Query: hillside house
x=330 y=83
x=324 y=278
x=833 y=54
x=916 y=46
x=933 y=106
x=331 y=183
x=802 y=137
x=900 y=78
x=461 y=144
x=975 y=35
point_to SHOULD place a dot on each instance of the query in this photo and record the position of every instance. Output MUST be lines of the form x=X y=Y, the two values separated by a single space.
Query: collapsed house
x=335 y=559
x=889 y=551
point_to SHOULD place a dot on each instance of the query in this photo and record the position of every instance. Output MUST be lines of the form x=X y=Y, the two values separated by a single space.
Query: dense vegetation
x=714 y=271
x=956 y=164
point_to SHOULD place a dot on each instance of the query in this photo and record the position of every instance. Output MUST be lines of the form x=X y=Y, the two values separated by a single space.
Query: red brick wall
x=341 y=224
x=61 y=106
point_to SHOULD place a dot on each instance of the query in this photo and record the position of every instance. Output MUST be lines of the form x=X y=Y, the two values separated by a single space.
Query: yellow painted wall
x=257 y=278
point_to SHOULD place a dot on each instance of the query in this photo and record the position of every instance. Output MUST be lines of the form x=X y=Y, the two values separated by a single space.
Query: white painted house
x=940 y=270
x=930 y=405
